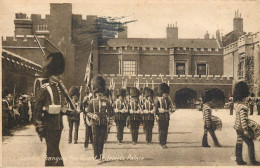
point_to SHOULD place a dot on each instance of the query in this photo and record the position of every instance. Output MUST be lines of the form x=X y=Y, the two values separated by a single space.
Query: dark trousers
x=258 y=109
x=134 y=129
x=239 y=147
x=76 y=124
x=88 y=136
x=5 y=126
x=99 y=136
x=163 y=131
x=148 y=126
x=120 y=124
x=54 y=157
x=251 y=109
x=205 y=137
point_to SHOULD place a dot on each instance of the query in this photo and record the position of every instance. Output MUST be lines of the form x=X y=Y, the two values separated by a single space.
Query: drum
x=254 y=129
x=216 y=123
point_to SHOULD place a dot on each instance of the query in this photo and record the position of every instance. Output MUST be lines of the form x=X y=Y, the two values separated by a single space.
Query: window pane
x=129 y=67
x=201 y=69
x=180 y=68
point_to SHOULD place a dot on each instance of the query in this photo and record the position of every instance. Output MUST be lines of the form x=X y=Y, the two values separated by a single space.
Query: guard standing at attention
x=162 y=111
x=121 y=113
x=135 y=113
x=148 y=114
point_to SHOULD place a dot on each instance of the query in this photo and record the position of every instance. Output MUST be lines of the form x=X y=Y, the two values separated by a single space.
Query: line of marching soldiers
x=130 y=108
x=251 y=102
x=50 y=109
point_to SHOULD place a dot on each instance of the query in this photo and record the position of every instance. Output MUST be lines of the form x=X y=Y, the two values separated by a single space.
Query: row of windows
x=130 y=68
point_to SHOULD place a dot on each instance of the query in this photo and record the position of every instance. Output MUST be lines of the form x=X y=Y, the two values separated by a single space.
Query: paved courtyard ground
x=184 y=145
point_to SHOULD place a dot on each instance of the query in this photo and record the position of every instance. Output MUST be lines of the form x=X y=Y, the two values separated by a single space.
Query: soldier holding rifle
x=163 y=107
x=98 y=110
x=148 y=114
x=121 y=113
x=49 y=109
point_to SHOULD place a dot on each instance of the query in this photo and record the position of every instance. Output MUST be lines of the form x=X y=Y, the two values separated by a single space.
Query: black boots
x=213 y=135
x=205 y=140
x=251 y=153
x=239 y=157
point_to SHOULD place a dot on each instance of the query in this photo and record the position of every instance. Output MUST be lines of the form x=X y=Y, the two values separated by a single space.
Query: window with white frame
x=129 y=68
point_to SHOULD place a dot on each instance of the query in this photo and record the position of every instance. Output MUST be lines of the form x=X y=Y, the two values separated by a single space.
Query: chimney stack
x=238 y=22
x=206 y=36
x=23 y=25
x=172 y=31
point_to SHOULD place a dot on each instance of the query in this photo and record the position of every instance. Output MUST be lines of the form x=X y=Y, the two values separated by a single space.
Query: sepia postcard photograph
x=130 y=83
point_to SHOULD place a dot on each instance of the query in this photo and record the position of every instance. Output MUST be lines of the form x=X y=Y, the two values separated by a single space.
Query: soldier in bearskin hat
x=207 y=99
x=121 y=113
x=48 y=108
x=98 y=110
x=240 y=93
x=135 y=113
x=74 y=118
x=148 y=114
x=162 y=111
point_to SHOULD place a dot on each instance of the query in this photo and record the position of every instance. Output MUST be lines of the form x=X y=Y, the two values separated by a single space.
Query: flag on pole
x=89 y=70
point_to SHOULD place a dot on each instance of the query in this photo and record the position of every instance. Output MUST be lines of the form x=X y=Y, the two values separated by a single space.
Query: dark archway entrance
x=185 y=98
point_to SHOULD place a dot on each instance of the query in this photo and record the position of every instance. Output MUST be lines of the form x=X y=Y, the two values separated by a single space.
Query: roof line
x=11 y=53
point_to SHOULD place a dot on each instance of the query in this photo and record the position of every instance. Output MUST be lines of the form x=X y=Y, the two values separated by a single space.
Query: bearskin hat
x=164 y=88
x=241 y=91
x=128 y=90
x=53 y=64
x=74 y=91
x=121 y=92
x=207 y=96
x=148 y=92
x=98 y=84
x=134 y=92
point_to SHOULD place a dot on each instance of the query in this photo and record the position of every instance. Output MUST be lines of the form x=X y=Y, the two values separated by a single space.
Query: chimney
x=172 y=31
x=206 y=36
x=238 y=22
x=23 y=25
x=122 y=32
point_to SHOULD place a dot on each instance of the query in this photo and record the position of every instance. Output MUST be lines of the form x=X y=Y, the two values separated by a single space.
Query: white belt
x=163 y=111
x=52 y=109
x=120 y=111
x=147 y=111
